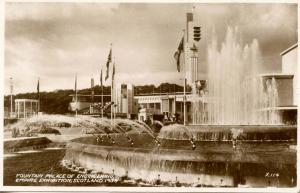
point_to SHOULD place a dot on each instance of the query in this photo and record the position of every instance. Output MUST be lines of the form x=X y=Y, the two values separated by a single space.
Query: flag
x=75 y=88
x=92 y=89
x=189 y=17
x=101 y=83
x=92 y=82
x=107 y=64
x=113 y=75
x=112 y=91
x=178 y=53
x=38 y=89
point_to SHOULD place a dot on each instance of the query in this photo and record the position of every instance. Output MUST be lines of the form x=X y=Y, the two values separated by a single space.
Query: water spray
x=157 y=141
x=130 y=141
x=235 y=134
x=193 y=143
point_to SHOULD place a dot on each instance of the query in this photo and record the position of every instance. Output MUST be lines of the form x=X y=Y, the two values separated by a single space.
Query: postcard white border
x=132 y=189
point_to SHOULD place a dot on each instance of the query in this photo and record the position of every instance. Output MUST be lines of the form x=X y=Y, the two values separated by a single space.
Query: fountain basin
x=251 y=133
x=212 y=163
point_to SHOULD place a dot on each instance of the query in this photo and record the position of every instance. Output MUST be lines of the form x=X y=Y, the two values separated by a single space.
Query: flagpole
x=111 y=97
x=38 y=90
x=111 y=107
x=76 y=95
x=184 y=79
x=92 y=98
x=112 y=101
x=174 y=100
x=115 y=101
x=102 y=103
x=106 y=77
x=101 y=94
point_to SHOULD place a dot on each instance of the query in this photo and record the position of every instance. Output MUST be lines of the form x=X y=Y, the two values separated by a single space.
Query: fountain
x=236 y=94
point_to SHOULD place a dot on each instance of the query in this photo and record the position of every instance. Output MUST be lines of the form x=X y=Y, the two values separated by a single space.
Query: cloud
x=273 y=25
x=56 y=40
x=56 y=11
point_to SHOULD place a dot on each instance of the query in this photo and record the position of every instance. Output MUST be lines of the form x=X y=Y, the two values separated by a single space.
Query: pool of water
x=253 y=163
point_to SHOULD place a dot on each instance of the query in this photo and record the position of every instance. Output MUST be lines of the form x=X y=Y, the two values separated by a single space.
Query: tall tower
x=192 y=36
x=125 y=98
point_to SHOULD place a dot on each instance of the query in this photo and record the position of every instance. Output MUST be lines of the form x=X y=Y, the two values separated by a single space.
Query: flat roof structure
x=289 y=49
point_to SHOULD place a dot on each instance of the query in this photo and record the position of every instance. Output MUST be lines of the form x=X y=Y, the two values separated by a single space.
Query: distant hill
x=57 y=102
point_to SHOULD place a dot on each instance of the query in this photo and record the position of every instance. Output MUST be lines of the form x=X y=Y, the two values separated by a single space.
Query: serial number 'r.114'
x=272 y=174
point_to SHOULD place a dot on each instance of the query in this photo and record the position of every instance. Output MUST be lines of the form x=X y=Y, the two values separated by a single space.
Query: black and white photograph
x=150 y=95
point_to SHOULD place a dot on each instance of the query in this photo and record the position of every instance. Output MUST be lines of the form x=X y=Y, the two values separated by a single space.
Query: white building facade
x=125 y=99
x=290 y=66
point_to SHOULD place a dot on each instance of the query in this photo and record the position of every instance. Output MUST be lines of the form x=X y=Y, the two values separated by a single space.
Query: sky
x=54 y=41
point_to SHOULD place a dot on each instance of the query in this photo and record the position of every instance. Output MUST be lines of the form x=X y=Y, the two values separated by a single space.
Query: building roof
x=279 y=108
x=26 y=100
x=289 y=49
x=277 y=75
x=89 y=95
